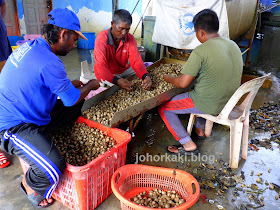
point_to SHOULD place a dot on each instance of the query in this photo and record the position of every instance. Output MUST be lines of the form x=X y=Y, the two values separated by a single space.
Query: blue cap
x=67 y=19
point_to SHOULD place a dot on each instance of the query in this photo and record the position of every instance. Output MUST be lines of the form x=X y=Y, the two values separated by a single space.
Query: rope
x=135 y=7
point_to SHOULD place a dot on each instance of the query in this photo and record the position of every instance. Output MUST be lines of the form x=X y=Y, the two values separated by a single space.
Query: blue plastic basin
x=87 y=44
x=14 y=39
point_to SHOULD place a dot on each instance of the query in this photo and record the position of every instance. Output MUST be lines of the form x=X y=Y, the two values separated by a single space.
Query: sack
x=174 y=27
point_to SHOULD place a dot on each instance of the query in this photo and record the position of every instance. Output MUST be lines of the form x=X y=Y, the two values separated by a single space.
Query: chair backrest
x=251 y=87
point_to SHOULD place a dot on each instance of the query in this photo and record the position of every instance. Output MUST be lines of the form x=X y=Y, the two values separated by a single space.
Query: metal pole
x=141 y=17
x=115 y=6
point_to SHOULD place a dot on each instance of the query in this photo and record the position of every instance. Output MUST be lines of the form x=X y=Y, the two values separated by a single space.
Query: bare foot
x=199 y=131
x=189 y=146
x=29 y=191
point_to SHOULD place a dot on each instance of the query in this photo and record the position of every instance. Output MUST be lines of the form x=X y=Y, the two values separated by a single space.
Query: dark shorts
x=32 y=143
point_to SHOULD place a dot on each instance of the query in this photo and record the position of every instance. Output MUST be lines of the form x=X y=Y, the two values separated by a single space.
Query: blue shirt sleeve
x=54 y=77
x=70 y=97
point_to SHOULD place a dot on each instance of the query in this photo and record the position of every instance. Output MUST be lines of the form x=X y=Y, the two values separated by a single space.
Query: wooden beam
x=245 y=51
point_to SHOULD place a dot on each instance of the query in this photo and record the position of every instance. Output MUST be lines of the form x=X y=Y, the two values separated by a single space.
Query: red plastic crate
x=85 y=187
x=130 y=180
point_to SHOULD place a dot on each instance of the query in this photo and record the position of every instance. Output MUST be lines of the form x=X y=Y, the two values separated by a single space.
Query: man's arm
x=125 y=84
x=192 y=67
x=137 y=64
x=77 y=83
x=181 y=81
x=3 y=10
x=101 y=67
x=85 y=89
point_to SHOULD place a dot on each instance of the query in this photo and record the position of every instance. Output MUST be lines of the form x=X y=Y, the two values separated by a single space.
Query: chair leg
x=245 y=135
x=235 y=143
x=208 y=128
x=190 y=124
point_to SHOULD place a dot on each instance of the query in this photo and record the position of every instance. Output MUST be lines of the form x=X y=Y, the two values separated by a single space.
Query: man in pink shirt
x=114 y=47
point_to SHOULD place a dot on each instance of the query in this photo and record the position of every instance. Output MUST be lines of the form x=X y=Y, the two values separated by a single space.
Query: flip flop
x=2 y=158
x=182 y=151
x=34 y=199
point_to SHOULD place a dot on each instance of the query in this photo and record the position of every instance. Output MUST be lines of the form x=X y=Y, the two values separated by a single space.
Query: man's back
x=37 y=74
x=217 y=65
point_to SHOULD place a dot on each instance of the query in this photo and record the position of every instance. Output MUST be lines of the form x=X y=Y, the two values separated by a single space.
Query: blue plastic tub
x=266 y=2
x=14 y=39
x=87 y=44
x=275 y=10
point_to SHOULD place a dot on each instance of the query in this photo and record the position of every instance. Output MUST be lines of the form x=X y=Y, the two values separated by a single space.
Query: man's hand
x=77 y=83
x=125 y=84
x=94 y=84
x=181 y=81
x=147 y=83
x=167 y=77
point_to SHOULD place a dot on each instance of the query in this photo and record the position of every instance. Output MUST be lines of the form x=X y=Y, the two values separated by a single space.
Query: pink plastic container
x=29 y=37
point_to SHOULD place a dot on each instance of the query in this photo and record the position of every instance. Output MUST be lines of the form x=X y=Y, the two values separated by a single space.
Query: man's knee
x=59 y=161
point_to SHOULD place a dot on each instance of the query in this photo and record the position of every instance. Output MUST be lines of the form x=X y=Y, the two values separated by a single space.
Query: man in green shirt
x=216 y=65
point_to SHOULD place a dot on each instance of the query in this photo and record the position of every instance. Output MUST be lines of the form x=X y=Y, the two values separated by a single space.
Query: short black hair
x=51 y=32
x=122 y=15
x=206 y=20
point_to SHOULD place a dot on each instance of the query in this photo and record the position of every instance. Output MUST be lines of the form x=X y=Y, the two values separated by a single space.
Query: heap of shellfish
x=80 y=144
x=104 y=111
x=158 y=198
x=267 y=119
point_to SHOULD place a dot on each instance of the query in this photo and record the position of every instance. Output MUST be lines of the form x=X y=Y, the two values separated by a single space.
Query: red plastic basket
x=85 y=187
x=130 y=180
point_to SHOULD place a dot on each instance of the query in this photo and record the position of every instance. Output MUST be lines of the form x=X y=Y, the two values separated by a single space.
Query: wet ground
x=222 y=187
x=211 y=164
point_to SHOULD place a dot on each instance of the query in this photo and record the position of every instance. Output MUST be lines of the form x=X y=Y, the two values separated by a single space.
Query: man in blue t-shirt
x=30 y=83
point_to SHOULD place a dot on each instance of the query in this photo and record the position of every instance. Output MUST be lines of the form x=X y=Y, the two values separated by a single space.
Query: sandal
x=34 y=199
x=3 y=158
x=182 y=151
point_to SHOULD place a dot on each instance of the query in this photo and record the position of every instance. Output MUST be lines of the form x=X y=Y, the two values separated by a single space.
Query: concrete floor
x=151 y=136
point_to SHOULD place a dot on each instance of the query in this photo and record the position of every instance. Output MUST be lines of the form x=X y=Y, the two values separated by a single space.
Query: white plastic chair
x=236 y=116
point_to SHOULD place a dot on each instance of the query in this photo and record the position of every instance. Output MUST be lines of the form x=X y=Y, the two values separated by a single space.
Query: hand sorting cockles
x=103 y=111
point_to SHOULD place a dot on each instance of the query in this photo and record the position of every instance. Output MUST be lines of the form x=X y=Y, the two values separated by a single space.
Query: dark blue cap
x=67 y=19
